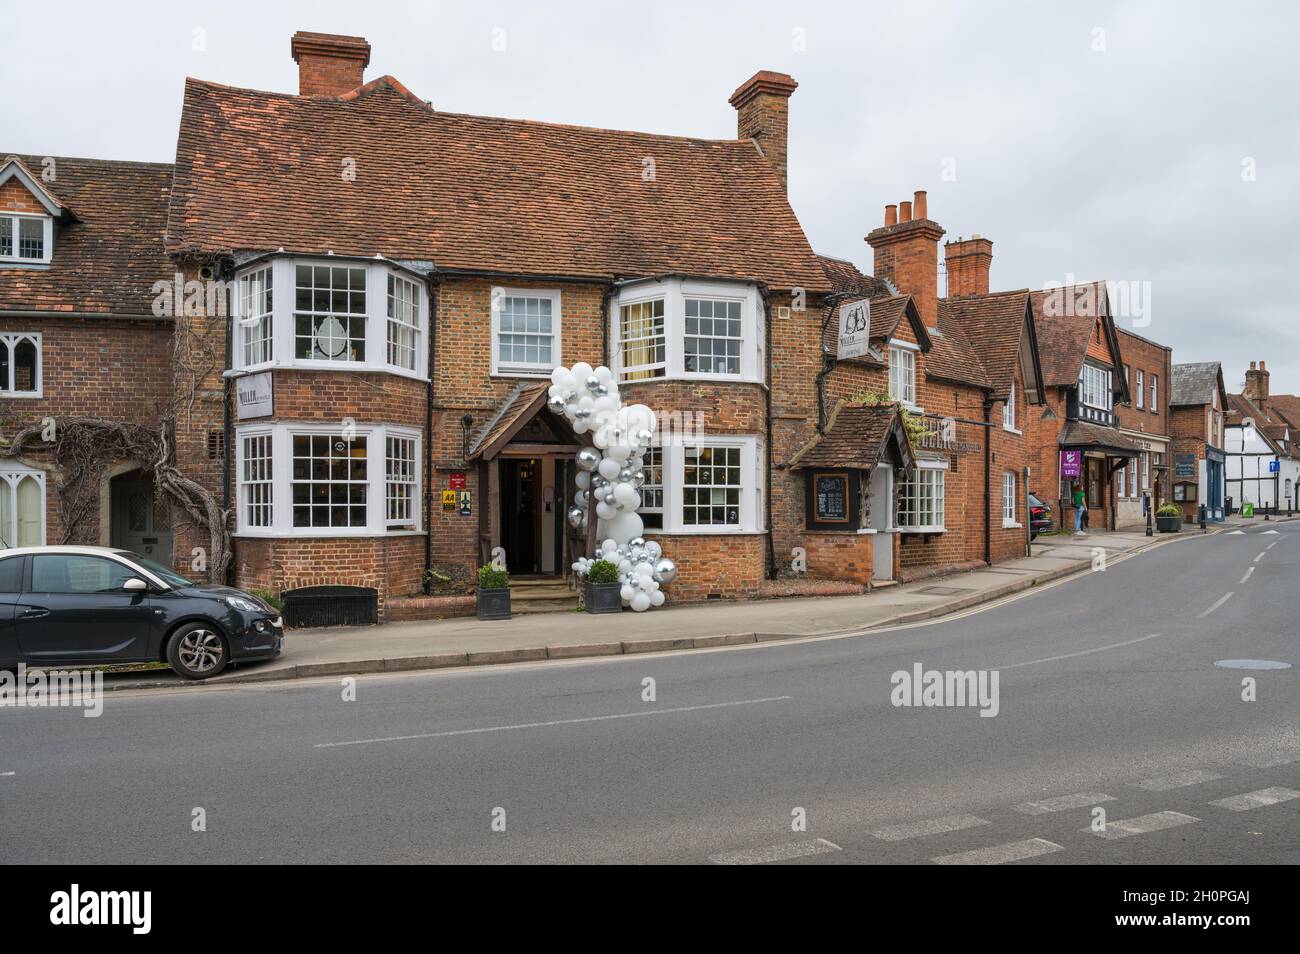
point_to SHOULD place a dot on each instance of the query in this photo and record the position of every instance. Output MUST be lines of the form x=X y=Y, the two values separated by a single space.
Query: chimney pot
x=967 y=263
x=904 y=211
x=329 y=64
x=1262 y=365
x=919 y=208
x=891 y=215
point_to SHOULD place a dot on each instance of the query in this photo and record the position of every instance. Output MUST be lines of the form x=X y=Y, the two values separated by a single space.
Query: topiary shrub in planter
x=1169 y=518
x=604 y=591
x=493 y=593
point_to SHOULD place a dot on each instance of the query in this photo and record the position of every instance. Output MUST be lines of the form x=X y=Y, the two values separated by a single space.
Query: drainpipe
x=226 y=441
x=767 y=403
x=988 y=464
x=607 y=316
x=432 y=284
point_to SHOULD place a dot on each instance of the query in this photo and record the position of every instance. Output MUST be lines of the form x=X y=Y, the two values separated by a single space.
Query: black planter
x=1169 y=524
x=494 y=604
x=604 y=598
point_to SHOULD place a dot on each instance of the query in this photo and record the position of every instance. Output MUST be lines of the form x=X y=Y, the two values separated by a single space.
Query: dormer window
x=26 y=238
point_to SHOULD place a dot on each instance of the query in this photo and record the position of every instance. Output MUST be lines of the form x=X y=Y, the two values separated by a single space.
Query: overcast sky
x=1136 y=142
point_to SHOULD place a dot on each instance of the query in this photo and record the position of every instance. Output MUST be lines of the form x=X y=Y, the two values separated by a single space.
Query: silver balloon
x=609 y=499
x=577 y=516
x=582 y=413
x=644 y=437
x=638 y=479
x=588 y=458
x=556 y=404
x=570 y=395
x=600 y=390
x=636 y=543
x=625 y=475
x=665 y=571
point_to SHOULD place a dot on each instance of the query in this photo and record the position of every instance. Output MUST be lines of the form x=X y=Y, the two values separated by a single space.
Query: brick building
x=362 y=298
x=1198 y=402
x=1142 y=486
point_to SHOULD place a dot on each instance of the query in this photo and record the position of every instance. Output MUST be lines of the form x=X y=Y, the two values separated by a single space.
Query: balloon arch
x=612 y=472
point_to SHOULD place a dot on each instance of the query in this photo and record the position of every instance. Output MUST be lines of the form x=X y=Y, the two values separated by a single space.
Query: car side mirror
x=135 y=585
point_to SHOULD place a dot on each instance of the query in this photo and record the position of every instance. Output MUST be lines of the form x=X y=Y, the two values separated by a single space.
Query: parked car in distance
x=1040 y=517
x=86 y=606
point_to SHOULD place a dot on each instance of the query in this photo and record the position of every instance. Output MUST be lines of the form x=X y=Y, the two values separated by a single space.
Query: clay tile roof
x=107 y=259
x=856 y=435
x=1082 y=434
x=1194 y=383
x=1063 y=321
x=257 y=170
x=1273 y=429
x=1287 y=407
x=518 y=408
x=846 y=278
x=992 y=326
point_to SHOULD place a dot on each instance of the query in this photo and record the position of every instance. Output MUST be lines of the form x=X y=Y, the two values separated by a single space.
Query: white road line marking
x=1259 y=799
x=762 y=856
x=1272 y=545
x=5 y=774
x=1082 y=652
x=931 y=826
x=1260 y=557
x=1062 y=802
x=1219 y=602
x=1236 y=533
x=1267 y=761
x=1162 y=783
x=1266 y=533
x=543 y=725
x=1000 y=854
x=1143 y=824
x=1249 y=571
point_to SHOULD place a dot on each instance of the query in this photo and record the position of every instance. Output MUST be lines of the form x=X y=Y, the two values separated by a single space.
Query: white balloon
x=657 y=598
x=641 y=602
x=608 y=468
x=604 y=374
x=609 y=545
x=581 y=372
x=627 y=592
x=626 y=526
x=602 y=438
x=606 y=511
x=653 y=548
x=619 y=452
x=625 y=566
x=583 y=480
x=625 y=494
x=579 y=427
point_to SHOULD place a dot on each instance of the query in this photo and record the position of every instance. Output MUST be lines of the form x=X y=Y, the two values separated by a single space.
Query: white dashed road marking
x=554 y=722
x=931 y=826
x=1082 y=652
x=762 y=856
x=1061 y=802
x=1000 y=854
x=1260 y=799
x=1221 y=600
x=1270 y=761
x=1249 y=571
x=1162 y=783
x=1260 y=557
x=1143 y=824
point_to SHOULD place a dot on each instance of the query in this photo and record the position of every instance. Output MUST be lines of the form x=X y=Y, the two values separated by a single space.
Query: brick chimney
x=967 y=262
x=1257 y=385
x=329 y=65
x=762 y=106
x=907 y=253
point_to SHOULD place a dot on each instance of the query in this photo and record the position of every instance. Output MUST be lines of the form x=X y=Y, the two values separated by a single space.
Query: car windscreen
x=166 y=574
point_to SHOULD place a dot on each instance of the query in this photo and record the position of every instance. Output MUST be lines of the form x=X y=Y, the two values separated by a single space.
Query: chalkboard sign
x=832 y=499
x=1184 y=465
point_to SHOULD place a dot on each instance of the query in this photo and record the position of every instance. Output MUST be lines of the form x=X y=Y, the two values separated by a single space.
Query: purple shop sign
x=1071 y=463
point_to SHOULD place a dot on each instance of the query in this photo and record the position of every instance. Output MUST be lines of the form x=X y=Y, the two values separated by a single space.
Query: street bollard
x=1149 y=530
x=1200 y=516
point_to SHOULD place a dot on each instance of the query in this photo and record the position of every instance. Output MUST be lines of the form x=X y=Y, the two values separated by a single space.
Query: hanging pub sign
x=1071 y=463
x=832 y=499
x=855 y=329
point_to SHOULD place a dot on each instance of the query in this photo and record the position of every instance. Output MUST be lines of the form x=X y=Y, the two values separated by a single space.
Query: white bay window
x=684 y=329
x=336 y=314
x=921 y=498
x=713 y=487
x=298 y=479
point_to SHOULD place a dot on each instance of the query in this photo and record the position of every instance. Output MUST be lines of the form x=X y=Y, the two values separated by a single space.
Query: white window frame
x=282 y=435
x=1132 y=467
x=902 y=373
x=253 y=325
x=10 y=341
x=1009 y=506
x=523 y=369
x=407 y=477
x=1141 y=390
x=649 y=469
x=47 y=239
x=13 y=475
x=1009 y=411
x=1095 y=385
x=283 y=309
x=674 y=293
x=1146 y=471
x=936 y=473
x=246 y=486
x=752 y=487
x=1155 y=393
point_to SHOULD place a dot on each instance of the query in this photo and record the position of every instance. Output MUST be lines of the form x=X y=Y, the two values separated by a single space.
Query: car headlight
x=240 y=603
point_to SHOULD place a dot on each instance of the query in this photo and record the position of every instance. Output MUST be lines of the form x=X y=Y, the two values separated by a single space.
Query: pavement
x=1114 y=697
x=438 y=644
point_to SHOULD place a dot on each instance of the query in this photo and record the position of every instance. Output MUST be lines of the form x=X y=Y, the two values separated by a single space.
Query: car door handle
x=36 y=613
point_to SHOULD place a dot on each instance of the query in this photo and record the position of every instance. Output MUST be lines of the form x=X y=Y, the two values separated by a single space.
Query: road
x=1109 y=697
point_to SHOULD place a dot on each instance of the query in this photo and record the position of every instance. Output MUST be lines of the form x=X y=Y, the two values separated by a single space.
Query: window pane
x=78 y=574
x=642 y=340
x=31 y=238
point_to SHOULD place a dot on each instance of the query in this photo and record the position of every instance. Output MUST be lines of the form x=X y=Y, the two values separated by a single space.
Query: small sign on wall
x=832 y=499
x=855 y=329
x=1071 y=463
x=449 y=500
x=254 y=396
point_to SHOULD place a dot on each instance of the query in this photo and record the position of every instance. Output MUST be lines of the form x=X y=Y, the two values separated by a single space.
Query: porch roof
x=1079 y=434
x=520 y=406
x=856 y=437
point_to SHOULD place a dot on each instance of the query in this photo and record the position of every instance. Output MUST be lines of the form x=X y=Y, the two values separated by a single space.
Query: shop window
x=329 y=481
x=711 y=486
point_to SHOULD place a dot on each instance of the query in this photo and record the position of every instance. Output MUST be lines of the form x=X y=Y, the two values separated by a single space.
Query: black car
x=84 y=606
x=1040 y=517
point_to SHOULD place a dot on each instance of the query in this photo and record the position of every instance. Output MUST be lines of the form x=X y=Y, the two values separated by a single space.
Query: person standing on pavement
x=1080 y=508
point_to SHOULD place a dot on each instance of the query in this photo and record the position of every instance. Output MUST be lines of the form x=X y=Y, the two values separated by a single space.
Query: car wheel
x=197 y=651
